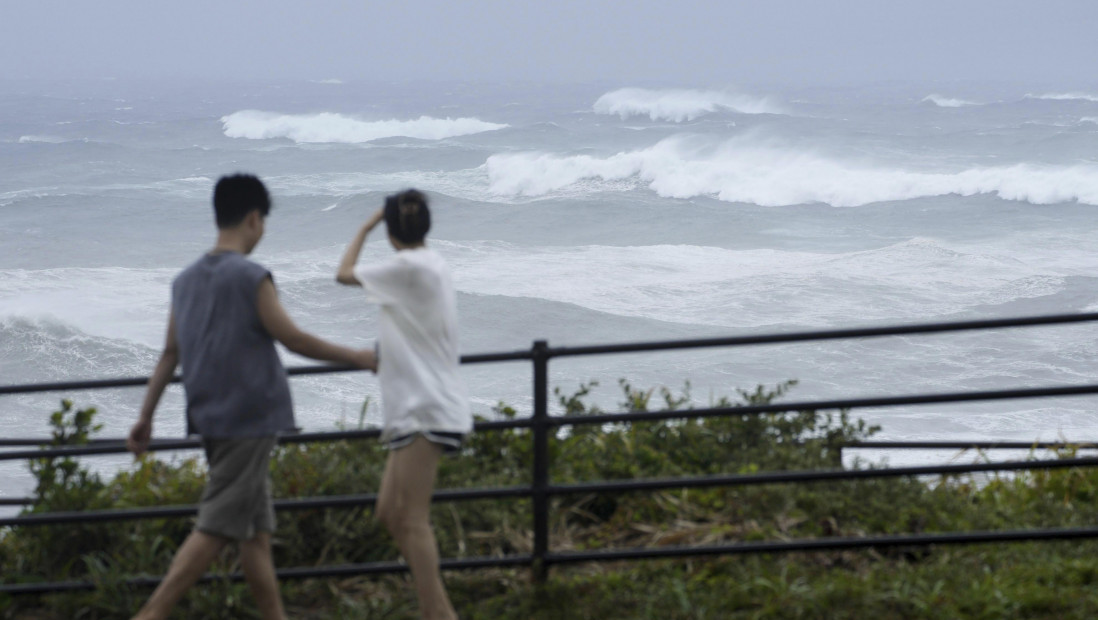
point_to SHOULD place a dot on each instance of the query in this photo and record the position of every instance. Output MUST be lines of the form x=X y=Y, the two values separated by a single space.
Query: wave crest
x=947 y=102
x=679 y=105
x=739 y=171
x=338 y=128
x=1064 y=97
x=34 y=139
x=741 y=287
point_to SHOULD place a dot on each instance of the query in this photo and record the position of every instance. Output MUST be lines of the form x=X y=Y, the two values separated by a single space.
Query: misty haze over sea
x=580 y=214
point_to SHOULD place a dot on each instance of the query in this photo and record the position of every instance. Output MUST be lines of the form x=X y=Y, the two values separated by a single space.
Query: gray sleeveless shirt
x=235 y=383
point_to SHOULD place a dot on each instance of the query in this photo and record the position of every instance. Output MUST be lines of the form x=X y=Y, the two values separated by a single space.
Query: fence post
x=540 y=481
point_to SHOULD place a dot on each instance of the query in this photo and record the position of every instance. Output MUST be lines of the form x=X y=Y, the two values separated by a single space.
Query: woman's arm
x=346 y=272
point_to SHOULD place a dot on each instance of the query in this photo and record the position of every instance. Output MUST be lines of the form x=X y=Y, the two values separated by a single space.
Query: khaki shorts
x=237 y=501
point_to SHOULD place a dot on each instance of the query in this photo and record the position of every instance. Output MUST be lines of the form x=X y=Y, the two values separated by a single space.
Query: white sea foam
x=680 y=105
x=746 y=170
x=50 y=348
x=470 y=184
x=947 y=102
x=339 y=128
x=7 y=198
x=913 y=279
x=42 y=139
x=1089 y=119
x=111 y=302
x=1063 y=96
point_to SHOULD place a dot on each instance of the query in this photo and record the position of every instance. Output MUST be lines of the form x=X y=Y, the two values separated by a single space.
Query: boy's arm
x=141 y=433
x=279 y=325
x=346 y=272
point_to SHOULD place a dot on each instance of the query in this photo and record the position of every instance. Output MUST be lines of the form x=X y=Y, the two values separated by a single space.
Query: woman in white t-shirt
x=424 y=403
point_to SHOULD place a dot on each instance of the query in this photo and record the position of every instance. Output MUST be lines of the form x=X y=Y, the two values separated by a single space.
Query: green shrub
x=1038 y=580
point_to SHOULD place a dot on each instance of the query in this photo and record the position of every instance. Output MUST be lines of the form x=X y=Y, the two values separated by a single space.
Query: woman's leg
x=403 y=505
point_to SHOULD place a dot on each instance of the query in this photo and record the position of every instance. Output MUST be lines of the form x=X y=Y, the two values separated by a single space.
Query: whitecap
x=947 y=102
x=746 y=170
x=1064 y=97
x=330 y=127
x=31 y=139
x=680 y=105
x=107 y=302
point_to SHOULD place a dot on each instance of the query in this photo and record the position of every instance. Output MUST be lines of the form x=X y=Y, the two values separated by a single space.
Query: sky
x=684 y=42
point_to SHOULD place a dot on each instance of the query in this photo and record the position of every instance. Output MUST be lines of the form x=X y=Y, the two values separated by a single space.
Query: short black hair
x=407 y=216
x=237 y=195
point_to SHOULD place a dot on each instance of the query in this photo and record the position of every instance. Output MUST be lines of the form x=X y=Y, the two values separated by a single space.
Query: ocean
x=579 y=214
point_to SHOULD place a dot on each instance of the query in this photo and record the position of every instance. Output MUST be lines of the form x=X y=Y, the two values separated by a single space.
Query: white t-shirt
x=421 y=387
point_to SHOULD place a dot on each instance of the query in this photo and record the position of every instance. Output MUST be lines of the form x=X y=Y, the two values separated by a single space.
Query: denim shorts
x=449 y=442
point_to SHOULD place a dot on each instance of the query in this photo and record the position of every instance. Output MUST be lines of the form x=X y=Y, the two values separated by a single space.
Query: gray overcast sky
x=685 y=42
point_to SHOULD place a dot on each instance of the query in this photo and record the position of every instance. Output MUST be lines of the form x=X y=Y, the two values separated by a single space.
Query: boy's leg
x=259 y=570
x=190 y=562
x=404 y=502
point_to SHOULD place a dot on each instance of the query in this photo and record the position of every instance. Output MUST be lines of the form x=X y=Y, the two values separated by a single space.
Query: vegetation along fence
x=543 y=426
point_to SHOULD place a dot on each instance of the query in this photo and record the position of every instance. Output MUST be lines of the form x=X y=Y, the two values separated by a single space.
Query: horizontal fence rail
x=118 y=446
x=297 y=371
x=514 y=356
x=544 y=428
x=885 y=445
x=831 y=334
x=602 y=486
x=970 y=445
x=614 y=555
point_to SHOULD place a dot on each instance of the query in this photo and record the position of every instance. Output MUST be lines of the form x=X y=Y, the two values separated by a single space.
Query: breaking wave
x=332 y=127
x=1064 y=97
x=104 y=302
x=947 y=102
x=43 y=140
x=732 y=287
x=738 y=170
x=679 y=105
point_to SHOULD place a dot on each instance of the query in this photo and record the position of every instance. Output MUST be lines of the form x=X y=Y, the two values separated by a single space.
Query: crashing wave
x=1063 y=97
x=338 y=128
x=679 y=105
x=947 y=102
x=115 y=302
x=739 y=170
x=721 y=286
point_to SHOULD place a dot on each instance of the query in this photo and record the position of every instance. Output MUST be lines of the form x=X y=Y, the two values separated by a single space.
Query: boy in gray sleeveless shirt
x=225 y=317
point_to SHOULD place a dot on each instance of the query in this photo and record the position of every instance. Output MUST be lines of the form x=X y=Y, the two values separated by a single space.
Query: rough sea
x=580 y=214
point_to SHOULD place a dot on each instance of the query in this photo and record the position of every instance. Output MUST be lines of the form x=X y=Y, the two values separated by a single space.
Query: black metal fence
x=543 y=426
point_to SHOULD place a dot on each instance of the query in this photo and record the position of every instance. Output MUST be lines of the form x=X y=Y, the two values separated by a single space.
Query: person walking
x=425 y=406
x=225 y=318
